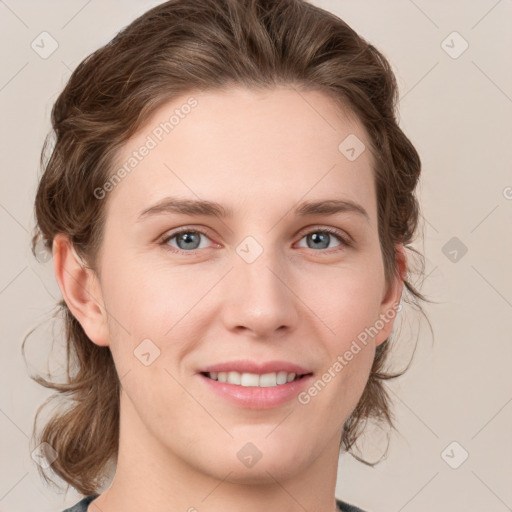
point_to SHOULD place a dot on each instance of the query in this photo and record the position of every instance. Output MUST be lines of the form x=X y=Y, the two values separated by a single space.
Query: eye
x=187 y=240
x=320 y=238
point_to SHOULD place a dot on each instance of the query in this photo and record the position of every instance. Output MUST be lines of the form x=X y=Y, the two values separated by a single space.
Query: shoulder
x=81 y=506
x=346 y=507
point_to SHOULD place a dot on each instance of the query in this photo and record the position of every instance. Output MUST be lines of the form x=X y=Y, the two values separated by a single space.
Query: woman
x=228 y=202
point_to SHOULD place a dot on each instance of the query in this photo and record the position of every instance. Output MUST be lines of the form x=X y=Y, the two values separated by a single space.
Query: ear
x=80 y=289
x=391 y=298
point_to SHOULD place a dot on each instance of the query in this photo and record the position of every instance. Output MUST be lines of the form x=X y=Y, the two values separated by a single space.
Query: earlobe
x=80 y=289
x=391 y=299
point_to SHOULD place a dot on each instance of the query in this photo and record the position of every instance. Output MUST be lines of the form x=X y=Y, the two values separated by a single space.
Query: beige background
x=457 y=111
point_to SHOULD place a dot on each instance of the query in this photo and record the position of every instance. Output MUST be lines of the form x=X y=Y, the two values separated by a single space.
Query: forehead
x=246 y=147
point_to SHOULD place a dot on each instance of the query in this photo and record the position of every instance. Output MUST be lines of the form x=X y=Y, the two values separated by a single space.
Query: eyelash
x=343 y=239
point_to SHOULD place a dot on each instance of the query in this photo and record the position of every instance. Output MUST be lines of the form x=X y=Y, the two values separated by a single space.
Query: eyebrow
x=214 y=209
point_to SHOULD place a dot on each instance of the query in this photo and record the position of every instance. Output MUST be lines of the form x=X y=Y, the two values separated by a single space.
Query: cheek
x=346 y=299
x=147 y=298
x=348 y=307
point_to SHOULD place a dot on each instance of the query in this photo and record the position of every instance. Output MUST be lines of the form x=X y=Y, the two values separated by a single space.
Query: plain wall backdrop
x=453 y=406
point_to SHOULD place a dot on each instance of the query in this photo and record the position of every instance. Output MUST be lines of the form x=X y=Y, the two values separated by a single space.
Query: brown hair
x=174 y=48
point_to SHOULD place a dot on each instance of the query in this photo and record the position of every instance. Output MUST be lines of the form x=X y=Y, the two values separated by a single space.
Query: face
x=273 y=283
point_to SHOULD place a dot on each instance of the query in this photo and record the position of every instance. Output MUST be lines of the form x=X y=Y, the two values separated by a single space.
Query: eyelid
x=340 y=233
x=344 y=238
x=182 y=229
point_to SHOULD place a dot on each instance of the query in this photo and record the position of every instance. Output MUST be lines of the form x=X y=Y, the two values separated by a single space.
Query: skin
x=258 y=153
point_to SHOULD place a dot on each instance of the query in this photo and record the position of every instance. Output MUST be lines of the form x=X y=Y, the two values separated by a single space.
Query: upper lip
x=260 y=368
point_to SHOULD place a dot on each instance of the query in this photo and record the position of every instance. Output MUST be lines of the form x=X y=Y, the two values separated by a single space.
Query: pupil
x=187 y=238
x=320 y=237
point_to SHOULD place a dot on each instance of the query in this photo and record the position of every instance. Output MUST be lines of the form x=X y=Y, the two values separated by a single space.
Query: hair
x=175 y=48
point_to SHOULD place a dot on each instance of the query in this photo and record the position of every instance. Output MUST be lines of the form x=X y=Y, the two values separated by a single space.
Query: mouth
x=253 y=384
x=246 y=379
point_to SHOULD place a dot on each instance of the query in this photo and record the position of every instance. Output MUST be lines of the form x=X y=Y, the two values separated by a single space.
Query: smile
x=253 y=379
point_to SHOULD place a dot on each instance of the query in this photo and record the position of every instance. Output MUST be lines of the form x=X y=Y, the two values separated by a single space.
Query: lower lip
x=252 y=397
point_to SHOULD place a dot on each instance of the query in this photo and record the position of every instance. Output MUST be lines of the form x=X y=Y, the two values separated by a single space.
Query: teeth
x=234 y=378
x=268 y=380
x=253 y=379
x=282 y=377
x=246 y=379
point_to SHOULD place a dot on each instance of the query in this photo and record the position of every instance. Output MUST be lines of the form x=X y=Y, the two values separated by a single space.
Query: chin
x=261 y=474
x=259 y=462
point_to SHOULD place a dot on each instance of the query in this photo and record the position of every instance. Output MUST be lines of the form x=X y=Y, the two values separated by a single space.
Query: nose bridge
x=259 y=296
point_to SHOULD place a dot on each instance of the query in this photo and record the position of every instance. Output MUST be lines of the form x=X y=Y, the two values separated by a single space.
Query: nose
x=260 y=301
